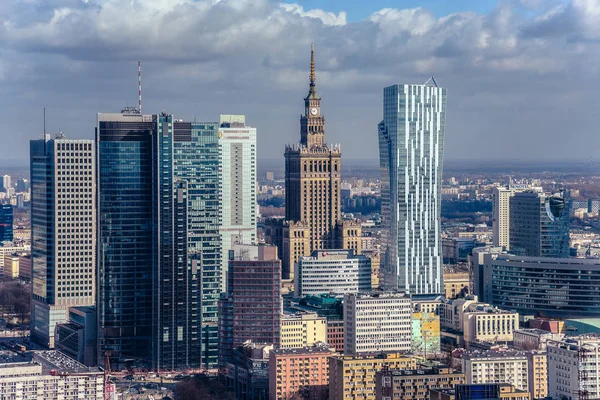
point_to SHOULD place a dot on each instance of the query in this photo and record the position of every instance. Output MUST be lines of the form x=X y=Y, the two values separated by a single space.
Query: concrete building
x=238 y=155
x=335 y=334
x=353 y=377
x=455 y=282
x=251 y=308
x=498 y=391
x=63 y=225
x=302 y=330
x=9 y=248
x=497 y=367
x=553 y=287
x=312 y=185
x=573 y=366
x=301 y=372
x=539 y=224
x=414 y=384
x=537 y=374
x=533 y=339
x=6 y=223
x=425 y=334
x=452 y=312
x=48 y=375
x=376 y=322
x=486 y=323
x=411 y=146
x=11 y=266
x=332 y=271
x=349 y=235
x=501 y=212
x=248 y=371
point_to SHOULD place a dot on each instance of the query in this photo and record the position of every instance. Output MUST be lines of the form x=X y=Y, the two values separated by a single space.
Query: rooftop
x=317 y=348
x=55 y=360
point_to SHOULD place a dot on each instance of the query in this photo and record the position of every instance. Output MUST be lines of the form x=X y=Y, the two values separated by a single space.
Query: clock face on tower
x=314 y=111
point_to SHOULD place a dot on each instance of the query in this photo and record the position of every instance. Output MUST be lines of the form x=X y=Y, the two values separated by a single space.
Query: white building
x=63 y=223
x=6 y=182
x=48 y=375
x=497 y=367
x=411 y=145
x=7 y=250
x=501 y=212
x=534 y=339
x=237 y=144
x=332 y=271
x=574 y=368
x=376 y=322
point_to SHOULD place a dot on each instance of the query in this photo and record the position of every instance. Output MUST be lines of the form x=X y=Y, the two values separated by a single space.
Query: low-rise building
x=485 y=323
x=533 y=339
x=353 y=377
x=455 y=282
x=301 y=372
x=48 y=375
x=414 y=384
x=573 y=366
x=497 y=367
x=302 y=330
x=377 y=322
x=480 y=391
x=11 y=266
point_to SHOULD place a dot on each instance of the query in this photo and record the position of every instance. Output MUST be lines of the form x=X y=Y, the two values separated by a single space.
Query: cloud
x=203 y=57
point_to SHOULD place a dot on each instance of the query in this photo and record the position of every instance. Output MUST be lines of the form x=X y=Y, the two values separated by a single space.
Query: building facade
x=414 y=384
x=63 y=226
x=353 y=377
x=301 y=373
x=501 y=367
x=237 y=151
x=501 y=212
x=332 y=271
x=411 y=145
x=302 y=330
x=539 y=224
x=312 y=183
x=376 y=322
x=6 y=223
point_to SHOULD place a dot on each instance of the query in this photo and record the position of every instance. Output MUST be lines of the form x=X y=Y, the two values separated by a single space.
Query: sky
x=522 y=75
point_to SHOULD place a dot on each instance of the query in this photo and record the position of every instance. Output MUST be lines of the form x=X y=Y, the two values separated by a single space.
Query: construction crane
x=108 y=385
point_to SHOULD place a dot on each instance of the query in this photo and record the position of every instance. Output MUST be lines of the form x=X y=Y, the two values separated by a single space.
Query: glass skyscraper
x=6 y=223
x=411 y=144
x=126 y=251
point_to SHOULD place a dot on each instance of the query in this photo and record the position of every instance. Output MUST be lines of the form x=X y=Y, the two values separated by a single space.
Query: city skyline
x=485 y=57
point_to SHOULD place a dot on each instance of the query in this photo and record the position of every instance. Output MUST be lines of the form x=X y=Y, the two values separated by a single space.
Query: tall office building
x=312 y=185
x=411 y=144
x=237 y=143
x=63 y=231
x=126 y=251
x=6 y=182
x=539 y=224
x=501 y=212
x=6 y=223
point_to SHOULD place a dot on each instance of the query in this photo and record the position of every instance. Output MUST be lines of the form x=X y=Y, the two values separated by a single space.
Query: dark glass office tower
x=126 y=251
x=6 y=223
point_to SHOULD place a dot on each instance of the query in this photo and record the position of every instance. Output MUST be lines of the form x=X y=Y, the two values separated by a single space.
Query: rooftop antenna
x=140 y=86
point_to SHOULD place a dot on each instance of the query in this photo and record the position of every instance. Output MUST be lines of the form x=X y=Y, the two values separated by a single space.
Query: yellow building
x=302 y=330
x=349 y=234
x=454 y=282
x=486 y=323
x=353 y=377
x=425 y=334
x=538 y=374
x=373 y=254
x=11 y=265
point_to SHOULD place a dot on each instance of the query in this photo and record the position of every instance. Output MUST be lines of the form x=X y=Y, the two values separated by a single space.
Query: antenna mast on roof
x=140 y=86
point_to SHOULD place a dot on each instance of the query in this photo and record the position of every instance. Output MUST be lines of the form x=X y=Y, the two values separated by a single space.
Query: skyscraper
x=126 y=251
x=501 y=212
x=6 y=223
x=63 y=231
x=312 y=185
x=539 y=224
x=6 y=182
x=411 y=144
x=237 y=143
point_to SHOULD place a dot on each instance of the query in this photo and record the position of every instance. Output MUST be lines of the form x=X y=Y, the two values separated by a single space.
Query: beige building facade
x=302 y=329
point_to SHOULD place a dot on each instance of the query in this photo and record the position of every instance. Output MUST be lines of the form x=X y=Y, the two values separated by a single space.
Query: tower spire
x=312 y=69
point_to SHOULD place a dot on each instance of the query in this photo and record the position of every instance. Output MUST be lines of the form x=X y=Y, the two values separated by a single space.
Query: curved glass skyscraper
x=411 y=144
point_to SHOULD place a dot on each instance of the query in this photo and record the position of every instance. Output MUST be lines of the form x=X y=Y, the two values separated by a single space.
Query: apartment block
x=414 y=384
x=537 y=370
x=302 y=329
x=534 y=339
x=497 y=367
x=300 y=372
x=353 y=377
x=500 y=391
x=335 y=334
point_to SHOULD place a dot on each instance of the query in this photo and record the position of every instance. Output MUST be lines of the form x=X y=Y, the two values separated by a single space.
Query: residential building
x=425 y=334
x=499 y=391
x=427 y=303
x=48 y=375
x=302 y=372
x=539 y=224
x=377 y=322
x=497 y=367
x=501 y=212
x=537 y=374
x=248 y=371
x=414 y=384
x=63 y=226
x=353 y=377
x=251 y=309
x=553 y=287
x=335 y=334
x=332 y=271
x=6 y=223
x=573 y=366
x=237 y=151
x=302 y=330
x=411 y=145
x=312 y=185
